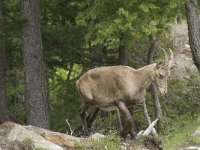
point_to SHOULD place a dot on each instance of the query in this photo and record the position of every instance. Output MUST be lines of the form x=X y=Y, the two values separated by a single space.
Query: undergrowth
x=181 y=135
x=108 y=143
x=180 y=113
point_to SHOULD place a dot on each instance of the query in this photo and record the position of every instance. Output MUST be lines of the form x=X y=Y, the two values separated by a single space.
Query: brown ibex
x=117 y=87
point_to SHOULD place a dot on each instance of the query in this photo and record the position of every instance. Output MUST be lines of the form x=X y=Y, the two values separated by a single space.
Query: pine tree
x=4 y=114
x=35 y=89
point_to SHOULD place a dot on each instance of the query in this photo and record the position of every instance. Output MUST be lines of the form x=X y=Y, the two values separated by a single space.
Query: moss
x=29 y=143
x=2 y=138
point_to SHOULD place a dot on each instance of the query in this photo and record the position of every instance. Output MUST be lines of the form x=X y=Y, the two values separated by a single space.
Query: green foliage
x=29 y=142
x=18 y=112
x=15 y=94
x=181 y=135
x=75 y=34
x=195 y=140
x=108 y=143
x=63 y=107
x=146 y=7
x=108 y=125
x=181 y=110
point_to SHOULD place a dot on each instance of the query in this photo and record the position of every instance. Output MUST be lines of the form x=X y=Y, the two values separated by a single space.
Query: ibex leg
x=146 y=114
x=128 y=126
x=119 y=119
x=83 y=110
x=132 y=132
x=93 y=114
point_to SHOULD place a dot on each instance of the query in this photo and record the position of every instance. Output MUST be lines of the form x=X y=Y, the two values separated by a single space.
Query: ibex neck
x=146 y=75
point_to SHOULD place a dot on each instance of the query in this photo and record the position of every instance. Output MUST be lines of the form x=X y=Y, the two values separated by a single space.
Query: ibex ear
x=158 y=65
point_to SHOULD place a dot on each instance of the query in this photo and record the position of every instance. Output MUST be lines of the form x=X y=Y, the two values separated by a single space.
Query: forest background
x=70 y=37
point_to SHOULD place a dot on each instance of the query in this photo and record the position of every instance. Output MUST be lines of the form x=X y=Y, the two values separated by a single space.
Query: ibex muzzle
x=119 y=87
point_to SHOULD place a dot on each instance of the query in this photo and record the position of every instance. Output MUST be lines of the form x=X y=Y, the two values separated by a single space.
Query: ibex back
x=116 y=87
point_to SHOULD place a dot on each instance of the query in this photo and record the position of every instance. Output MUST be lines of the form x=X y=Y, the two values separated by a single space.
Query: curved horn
x=171 y=57
x=165 y=54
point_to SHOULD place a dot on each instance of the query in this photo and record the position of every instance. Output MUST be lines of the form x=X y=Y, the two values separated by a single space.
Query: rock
x=179 y=33
x=18 y=137
x=96 y=136
x=14 y=145
x=131 y=145
x=21 y=134
x=62 y=139
x=40 y=138
x=197 y=132
x=55 y=137
x=153 y=143
x=37 y=130
x=183 y=63
x=139 y=147
x=191 y=148
x=183 y=66
x=6 y=128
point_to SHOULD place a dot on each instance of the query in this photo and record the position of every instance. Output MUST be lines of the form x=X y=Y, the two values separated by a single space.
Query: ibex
x=118 y=87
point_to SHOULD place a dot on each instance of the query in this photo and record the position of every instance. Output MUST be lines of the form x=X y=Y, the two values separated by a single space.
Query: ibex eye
x=161 y=76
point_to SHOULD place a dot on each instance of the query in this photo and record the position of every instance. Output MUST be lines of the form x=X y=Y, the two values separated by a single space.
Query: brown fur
x=105 y=86
x=116 y=87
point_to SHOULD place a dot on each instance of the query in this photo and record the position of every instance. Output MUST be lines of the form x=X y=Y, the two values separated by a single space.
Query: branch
x=149 y=129
x=71 y=130
x=96 y=58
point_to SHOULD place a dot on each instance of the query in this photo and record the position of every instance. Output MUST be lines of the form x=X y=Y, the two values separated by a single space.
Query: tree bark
x=193 y=22
x=4 y=114
x=35 y=88
x=179 y=17
x=157 y=106
x=122 y=53
x=154 y=92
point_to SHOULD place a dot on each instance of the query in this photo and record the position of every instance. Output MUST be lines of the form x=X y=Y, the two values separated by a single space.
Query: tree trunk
x=35 y=88
x=154 y=92
x=193 y=22
x=122 y=53
x=179 y=17
x=4 y=114
x=157 y=106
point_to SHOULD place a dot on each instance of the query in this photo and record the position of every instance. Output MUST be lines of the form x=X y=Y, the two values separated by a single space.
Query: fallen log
x=149 y=130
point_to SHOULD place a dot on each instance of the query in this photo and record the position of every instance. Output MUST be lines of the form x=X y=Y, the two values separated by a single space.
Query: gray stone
x=97 y=136
x=21 y=134
x=183 y=64
x=191 y=148
x=197 y=132
x=14 y=145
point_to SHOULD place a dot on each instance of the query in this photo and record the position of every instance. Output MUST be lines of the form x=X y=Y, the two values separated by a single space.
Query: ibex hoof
x=123 y=135
x=133 y=135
